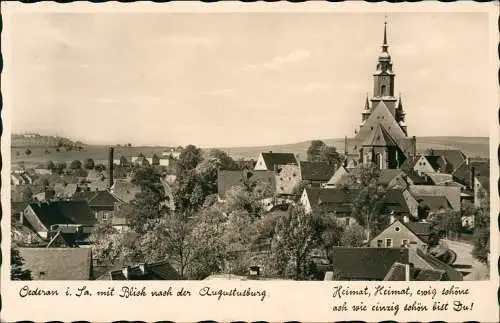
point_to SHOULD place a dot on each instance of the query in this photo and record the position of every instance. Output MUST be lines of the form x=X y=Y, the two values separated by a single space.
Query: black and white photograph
x=249 y=146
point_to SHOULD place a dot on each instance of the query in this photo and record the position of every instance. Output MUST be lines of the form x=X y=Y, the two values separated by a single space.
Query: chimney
x=407 y=272
x=406 y=219
x=125 y=271
x=142 y=267
x=110 y=166
x=392 y=218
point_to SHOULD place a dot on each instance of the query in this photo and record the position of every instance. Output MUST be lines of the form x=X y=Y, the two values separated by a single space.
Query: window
x=380 y=243
x=397 y=229
x=405 y=243
x=388 y=243
x=382 y=89
x=347 y=221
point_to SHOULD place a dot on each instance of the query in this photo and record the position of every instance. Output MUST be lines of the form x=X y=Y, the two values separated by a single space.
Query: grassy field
x=472 y=146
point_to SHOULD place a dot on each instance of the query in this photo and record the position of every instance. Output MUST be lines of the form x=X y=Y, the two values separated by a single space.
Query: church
x=382 y=138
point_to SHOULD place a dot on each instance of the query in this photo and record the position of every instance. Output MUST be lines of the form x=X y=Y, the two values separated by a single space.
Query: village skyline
x=290 y=84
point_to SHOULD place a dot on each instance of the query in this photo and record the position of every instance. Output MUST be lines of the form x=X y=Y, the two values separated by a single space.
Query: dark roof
x=63 y=212
x=58 y=241
x=58 y=263
x=229 y=178
x=396 y=273
x=454 y=157
x=97 y=198
x=452 y=274
x=420 y=229
x=437 y=162
x=277 y=159
x=332 y=199
x=366 y=263
x=416 y=178
x=434 y=202
x=387 y=175
x=162 y=270
x=410 y=163
x=316 y=171
x=395 y=202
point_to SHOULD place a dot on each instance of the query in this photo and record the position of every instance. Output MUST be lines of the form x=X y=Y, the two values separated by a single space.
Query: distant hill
x=34 y=140
x=472 y=146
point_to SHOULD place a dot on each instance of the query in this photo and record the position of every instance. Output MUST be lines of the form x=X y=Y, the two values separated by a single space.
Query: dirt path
x=465 y=263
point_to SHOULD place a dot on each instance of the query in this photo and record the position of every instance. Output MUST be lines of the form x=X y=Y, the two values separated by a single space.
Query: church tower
x=382 y=138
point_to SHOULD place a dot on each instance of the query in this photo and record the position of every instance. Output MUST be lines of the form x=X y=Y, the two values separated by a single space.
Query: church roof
x=379 y=137
x=381 y=115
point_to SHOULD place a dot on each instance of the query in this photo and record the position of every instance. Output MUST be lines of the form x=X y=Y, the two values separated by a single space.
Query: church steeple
x=383 y=83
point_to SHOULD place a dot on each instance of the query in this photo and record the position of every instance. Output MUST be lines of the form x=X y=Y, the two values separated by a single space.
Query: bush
x=89 y=163
x=76 y=164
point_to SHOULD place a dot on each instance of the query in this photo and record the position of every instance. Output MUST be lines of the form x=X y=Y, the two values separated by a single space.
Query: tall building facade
x=382 y=138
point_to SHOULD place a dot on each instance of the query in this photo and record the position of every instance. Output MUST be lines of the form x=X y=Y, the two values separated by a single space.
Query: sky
x=242 y=79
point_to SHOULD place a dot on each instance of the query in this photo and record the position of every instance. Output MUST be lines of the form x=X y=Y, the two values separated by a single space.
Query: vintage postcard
x=249 y=161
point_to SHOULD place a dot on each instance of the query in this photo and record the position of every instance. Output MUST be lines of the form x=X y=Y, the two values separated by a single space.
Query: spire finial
x=384 y=45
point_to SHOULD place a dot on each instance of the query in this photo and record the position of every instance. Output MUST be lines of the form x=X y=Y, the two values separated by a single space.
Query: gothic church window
x=382 y=90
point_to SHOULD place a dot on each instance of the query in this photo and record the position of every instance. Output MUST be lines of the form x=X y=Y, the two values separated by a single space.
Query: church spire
x=385 y=46
x=367 y=103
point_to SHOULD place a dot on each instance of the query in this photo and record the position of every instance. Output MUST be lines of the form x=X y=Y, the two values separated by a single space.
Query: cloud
x=279 y=62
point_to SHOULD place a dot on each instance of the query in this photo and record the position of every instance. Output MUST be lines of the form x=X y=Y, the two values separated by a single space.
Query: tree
x=27 y=194
x=226 y=162
x=100 y=167
x=89 y=163
x=124 y=161
x=75 y=164
x=50 y=165
x=482 y=231
x=353 y=236
x=27 y=152
x=60 y=167
x=17 y=272
x=292 y=244
x=318 y=151
x=189 y=158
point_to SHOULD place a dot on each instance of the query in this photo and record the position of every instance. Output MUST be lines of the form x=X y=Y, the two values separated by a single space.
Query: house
x=337 y=201
x=66 y=216
x=316 y=173
x=433 y=203
x=226 y=179
x=392 y=178
x=16 y=179
x=102 y=203
x=162 y=270
x=452 y=193
x=57 y=263
x=481 y=190
x=450 y=159
x=365 y=264
x=339 y=177
x=397 y=235
x=272 y=161
x=43 y=171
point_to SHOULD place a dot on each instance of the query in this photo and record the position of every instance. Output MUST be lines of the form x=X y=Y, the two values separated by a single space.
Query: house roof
x=437 y=162
x=452 y=274
x=421 y=229
x=451 y=193
x=395 y=201
x=277 y=159
x=63 y=212
x=229 y=178
x=366 y=263
x=398 y=273
x=58 y=240
x=410 y=163
x=162 y=270
x=331 y=199
x=387 y=175
x=435 y=203
x=440 y=178
x=58 y=263
x=316 y=171
x=125 y=190
x=455 y=157
x=97 y=198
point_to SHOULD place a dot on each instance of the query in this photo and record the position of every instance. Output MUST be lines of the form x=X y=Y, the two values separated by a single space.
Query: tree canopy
x=318 y=151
